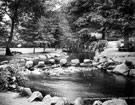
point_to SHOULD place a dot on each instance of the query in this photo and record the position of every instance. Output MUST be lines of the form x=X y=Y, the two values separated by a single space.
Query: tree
x=16 y=10
x=3 y=33
x=103 y=15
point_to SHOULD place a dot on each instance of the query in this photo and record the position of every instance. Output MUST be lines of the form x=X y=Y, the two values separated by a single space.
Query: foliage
x=19 y=11
x=3 y=34
x=7 y=72
x=103 y=15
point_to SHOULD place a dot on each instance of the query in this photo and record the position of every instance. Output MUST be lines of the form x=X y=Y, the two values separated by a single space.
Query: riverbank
x=12 y=98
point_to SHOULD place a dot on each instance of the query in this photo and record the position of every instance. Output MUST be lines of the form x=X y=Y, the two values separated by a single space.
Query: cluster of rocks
x=55 y=100
x=54 y=64
x=108 y=64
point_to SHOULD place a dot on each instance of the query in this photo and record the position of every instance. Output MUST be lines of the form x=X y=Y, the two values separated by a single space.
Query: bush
x=5 y=76
x=7 y=72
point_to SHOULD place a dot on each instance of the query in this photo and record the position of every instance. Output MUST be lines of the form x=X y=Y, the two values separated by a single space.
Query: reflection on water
x=85 y=84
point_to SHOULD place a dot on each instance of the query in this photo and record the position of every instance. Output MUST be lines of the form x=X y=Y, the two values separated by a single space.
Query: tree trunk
x=44 y=47
x=34 y=50
x=103 y=33
x=8 y=52
x=126 y=40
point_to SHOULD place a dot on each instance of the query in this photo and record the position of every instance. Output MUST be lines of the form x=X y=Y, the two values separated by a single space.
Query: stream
x=87 y=84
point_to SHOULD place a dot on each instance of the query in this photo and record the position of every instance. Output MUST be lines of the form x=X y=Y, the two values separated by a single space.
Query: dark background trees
x=103 y=16
x=58 y=22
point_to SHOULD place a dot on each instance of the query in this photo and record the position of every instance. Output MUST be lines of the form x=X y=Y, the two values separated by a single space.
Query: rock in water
x=87 y=61
x=122 y=68
x=63 y=61
x=35 y=95
x=42 y=57
x=41 y=63
x=79 y=101
x=47 y=100
x=37 y=71
x=52 y=61
x=29 y=64
x=75 y=62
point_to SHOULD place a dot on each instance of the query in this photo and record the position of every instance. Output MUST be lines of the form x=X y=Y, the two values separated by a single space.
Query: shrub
x=7 y=72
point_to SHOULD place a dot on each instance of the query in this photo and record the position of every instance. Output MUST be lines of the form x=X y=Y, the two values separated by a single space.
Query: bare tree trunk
x=126 y=40
x=8 y=51
x=34 y=50
x=103 y=33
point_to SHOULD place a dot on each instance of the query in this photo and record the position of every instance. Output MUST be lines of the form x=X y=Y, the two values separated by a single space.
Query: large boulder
x=24 y=91
x=122 y=68
x=62 y=101
x=75 y=62
x=35 y=95
x=47 y=100
x=63 y=61
x=115 y=102
x=111 y=102
x=29 y=64
x=97 y=103
x=54 y=99
x=59 y=100
x=78 y=101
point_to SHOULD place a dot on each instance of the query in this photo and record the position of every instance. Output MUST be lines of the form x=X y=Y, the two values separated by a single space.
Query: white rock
x=63 y=61
x=111 y=102
x=79 y=101
x=62 y=101
x=37 y=71
x=132 y=72
x=115 y=102
x=54 y=99
x=41 y=63
x=75 y=61
x=122 y=68
x=97 y=103
x=35 y=95
x=52 y=60
x=47 y=100
x=48 y=56
x=86 y=61
x=29 y=64
x=42 y=57
x=97 y=35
